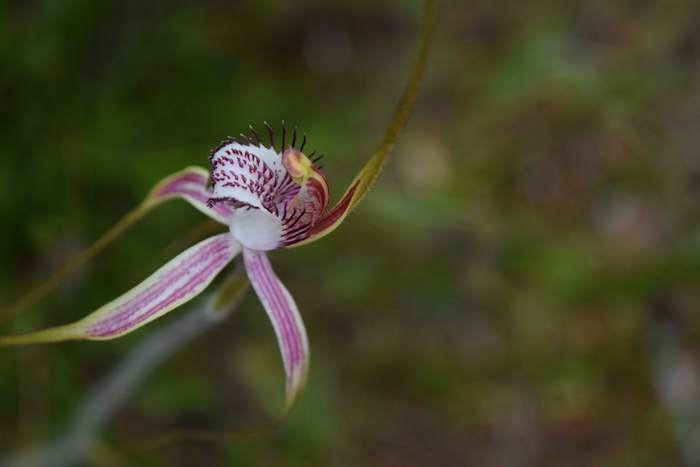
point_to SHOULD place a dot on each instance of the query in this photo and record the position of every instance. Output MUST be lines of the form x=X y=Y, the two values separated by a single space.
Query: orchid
x=270 y=197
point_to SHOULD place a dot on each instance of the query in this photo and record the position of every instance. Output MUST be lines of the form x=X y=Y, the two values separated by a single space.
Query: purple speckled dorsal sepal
x=175 y=283
x=284 y=314
x=191 y=184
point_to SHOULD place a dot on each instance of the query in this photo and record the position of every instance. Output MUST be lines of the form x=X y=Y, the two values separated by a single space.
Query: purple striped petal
x=179 y=281
x=191 y=184
x=286 y=321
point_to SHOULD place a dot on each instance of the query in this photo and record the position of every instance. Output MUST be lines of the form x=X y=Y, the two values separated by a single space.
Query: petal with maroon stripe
x=175 y=283
x=286 y=321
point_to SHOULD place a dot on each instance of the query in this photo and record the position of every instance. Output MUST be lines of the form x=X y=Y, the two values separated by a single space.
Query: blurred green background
x=497 y=299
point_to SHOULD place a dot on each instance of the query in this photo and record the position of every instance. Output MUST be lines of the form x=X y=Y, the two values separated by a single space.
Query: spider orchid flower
x=268 y=199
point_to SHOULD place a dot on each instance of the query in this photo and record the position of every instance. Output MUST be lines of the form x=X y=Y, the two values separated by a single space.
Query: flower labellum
x=276 y=197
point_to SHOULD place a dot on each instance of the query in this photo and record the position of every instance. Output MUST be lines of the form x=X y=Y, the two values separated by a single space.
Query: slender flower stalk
x=270 y=197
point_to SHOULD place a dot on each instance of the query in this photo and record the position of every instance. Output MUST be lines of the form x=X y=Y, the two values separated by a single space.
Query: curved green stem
x=360 y=185
x=372 y=168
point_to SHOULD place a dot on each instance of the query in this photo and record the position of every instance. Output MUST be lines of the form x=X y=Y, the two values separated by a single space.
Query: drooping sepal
x=175 y=283
x=286 y=321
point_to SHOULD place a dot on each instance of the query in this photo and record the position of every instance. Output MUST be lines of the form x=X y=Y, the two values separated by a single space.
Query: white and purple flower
x=269 y=199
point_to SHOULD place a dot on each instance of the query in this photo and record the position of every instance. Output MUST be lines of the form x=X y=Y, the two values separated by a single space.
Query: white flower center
x=256 y=229
x=277 y=196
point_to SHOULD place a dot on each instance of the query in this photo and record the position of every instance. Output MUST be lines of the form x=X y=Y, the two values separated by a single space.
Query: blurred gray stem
x=677 y=381
x=103 y=402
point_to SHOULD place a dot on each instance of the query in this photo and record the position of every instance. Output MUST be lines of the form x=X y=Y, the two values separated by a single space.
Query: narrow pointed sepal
x=190 y=184
x=286 y=321
x=175 y=283
x=332 y=219
x=364 y=180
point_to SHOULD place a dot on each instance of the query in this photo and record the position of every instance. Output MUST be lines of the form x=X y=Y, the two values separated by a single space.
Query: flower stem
x=370 y=171
x=402 y=111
